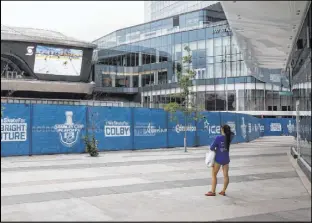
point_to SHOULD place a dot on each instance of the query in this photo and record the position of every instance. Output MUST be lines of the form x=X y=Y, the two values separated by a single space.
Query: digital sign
x=58 y=61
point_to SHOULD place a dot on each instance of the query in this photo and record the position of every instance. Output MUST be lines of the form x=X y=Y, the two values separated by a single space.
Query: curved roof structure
x=265 y=30
x=40 y=36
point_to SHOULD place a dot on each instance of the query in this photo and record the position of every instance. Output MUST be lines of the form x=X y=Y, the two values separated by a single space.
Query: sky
x=83 y=20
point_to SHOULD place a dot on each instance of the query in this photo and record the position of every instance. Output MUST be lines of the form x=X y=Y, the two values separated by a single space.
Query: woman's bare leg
x=225 y=169
x=215 y=170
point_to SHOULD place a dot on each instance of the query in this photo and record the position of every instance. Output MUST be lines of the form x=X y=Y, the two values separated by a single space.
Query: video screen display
x=58 y=61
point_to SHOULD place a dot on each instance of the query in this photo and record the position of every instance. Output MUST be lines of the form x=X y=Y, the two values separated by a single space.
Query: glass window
x=185 y=38
x=201 y=62
x=201 y=35
x=201 y=44
x=177 y=38
x=209 y=59
x=182 y=21
x=209 y=33
x=218 y=70
x=217 y=46
x=226 y=45
x=135 y=81
x=122 y=81
x=201 y=53
x=106 y=80
x=219 y=59
x=228 y=69
x=209 y=46
x=234 y=71
x=193 y=35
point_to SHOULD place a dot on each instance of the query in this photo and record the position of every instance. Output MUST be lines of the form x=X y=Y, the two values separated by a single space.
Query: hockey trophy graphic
x=290 y=127
x=243 y=128
x=68 y=132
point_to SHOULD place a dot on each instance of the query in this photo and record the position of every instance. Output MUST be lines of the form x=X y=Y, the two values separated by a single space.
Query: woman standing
x=221 y=146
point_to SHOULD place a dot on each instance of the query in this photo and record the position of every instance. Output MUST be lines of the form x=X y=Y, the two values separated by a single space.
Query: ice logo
x=290 y=127
x=243 y=128
x=30 y=51
x=68 y=132
x=212 y=129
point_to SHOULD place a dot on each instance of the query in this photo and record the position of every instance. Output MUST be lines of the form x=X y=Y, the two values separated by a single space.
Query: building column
x=131 y=81
x=236 y=100
x=113 y=80
x=140 y=59
x=156 y=77
x=157 y=56
x=140 y=80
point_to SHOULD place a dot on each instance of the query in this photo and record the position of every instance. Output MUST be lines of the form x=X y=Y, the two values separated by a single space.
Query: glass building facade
x=154 y=10
x=145 y=59
x=299 y=69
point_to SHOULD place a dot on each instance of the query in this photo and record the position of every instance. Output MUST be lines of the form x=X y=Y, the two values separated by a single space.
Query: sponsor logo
x=147 y=129
x=212 y=129
x=30 y=51
x=181 y=128
x=13 y=130
x=221 y=30
x=68 y=132
x=117 y=129
x=275 y=127
x=290 y=127
x=243 y=128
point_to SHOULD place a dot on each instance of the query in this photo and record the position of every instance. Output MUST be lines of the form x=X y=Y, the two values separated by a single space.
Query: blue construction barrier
x=58 y=129
x=15 y=130
x=176 y=131
x=150 y=128
x=279 y=126
x=53 y=129
x=112 y=127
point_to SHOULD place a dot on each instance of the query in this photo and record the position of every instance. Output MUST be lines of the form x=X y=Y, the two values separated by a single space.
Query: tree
x=191 y=111
x=89 y=139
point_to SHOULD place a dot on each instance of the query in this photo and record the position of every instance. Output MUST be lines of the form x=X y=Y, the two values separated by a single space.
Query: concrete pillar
x=113 y=80
x=131 y=81
x=140 y=59
x=236 y=100
x=157 y=56
x=140 y=80
x=156 y=77
x=123 y=61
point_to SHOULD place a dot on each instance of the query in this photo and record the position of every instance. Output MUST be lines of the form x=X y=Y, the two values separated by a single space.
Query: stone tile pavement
x=155 y=185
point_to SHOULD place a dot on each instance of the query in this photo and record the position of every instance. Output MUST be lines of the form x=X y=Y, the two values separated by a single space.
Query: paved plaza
x=156 y=185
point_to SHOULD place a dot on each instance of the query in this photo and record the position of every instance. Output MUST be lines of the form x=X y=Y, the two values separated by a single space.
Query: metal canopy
x=265 y=30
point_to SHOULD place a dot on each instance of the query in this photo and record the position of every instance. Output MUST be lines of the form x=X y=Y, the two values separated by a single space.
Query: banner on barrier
x=52 y=129
x=15 y=130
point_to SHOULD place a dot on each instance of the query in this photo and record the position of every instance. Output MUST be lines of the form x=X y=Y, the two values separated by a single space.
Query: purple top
x=222 y=155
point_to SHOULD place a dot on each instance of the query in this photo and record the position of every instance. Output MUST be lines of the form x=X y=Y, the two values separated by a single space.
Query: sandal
x=222 y=193
x=210 y=194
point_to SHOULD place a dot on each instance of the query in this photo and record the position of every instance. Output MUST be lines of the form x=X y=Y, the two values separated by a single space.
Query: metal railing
x=12 y=100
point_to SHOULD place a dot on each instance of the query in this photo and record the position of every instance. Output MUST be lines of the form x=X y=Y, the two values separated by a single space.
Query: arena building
x=44 y=64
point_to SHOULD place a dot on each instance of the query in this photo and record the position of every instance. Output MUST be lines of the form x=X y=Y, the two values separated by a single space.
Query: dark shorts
x=222 y=164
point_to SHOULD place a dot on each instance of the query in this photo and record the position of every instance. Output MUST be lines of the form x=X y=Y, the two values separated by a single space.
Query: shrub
x=91 y=145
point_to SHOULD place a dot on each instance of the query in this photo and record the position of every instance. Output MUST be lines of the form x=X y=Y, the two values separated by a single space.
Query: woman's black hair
x=228 y=136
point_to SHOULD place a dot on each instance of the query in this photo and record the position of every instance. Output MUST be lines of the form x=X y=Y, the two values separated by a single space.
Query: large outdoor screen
x=58 y=61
